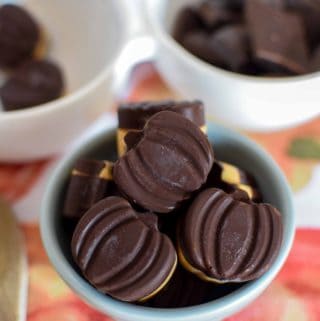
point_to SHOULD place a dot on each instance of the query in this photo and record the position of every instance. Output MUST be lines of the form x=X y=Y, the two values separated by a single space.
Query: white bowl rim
x=198 y=63
x=120 y=309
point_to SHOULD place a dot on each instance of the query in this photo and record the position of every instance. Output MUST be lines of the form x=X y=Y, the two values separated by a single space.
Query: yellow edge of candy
x=193 y=270
x=155 y=292
x=230 y=174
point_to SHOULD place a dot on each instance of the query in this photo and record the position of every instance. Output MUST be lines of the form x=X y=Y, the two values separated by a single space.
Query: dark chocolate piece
x=150 y=219
x=315 y=60
x=230 y=44
x=171 y=161
x=183 y=290
x=132 y=138
x=309 y=10
x=239 y=195
x=135 y=115
x=34 y=83
x=187 y=20
x=278 y=4
x=226 y=48
x=197 y=43
x=91 y=181
x=234 y=5
x=214 y=15
x=119 y=254
x=224 y=240
x=19 y=35
x=277 y=37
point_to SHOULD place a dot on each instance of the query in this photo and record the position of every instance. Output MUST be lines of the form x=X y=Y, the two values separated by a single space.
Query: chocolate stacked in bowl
x=167 y=225
x=271 y=38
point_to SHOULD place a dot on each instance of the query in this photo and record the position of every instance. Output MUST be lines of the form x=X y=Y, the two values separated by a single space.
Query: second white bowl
x=247 y=102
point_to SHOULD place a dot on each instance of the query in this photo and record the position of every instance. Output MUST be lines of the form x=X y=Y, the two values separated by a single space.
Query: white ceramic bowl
x=85 y=38
x=246 y=102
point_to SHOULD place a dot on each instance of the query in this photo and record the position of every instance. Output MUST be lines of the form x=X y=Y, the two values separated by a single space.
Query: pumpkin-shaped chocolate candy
x=119 y=254
x=171 y=160
x=222 y=239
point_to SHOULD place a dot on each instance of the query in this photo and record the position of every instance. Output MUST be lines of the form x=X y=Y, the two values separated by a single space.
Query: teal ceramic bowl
x=229 y=146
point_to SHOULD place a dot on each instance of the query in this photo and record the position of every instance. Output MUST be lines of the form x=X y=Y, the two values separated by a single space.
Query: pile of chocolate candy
x=270 y=38
x=167 y=225
x=31 y=80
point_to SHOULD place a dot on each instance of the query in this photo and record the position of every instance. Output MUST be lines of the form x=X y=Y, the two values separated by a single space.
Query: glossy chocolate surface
x=271 y=38
x=171 y=161
x=227 y=240
x=119 y=254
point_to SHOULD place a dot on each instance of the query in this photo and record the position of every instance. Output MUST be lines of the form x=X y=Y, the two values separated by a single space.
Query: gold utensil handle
x=13 y=268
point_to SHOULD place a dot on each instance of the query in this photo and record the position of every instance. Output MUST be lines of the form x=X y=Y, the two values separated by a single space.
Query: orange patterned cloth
x=294 y=295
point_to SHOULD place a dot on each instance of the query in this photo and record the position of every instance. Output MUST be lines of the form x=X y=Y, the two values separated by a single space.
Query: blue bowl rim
x=219 y=307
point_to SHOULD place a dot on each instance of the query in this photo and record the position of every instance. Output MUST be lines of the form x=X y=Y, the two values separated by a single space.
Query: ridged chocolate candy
x=225 y=240
x=133 y=116
x=119 y=254
x=171 y=161
x=90 y=181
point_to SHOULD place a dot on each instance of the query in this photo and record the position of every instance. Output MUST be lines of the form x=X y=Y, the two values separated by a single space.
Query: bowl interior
x=82 y=36
x=168 y=10
x=228 y=146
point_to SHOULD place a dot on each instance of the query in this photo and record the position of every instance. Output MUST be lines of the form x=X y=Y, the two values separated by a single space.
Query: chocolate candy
x=277 y=36
x=227 y=47
x=232 y=5
x=315 y=61
x=197 y=42
x=119 y=254
x=35 y=82
x=278 y=4
x=150 y=219
x=271 y=38
x=133 y=116
x=19 y=35
x=233 y=180
x=187 y=20
x=127 y=248
x=224 y=240
x=183 y=290
x=230 y=44
x=309 y=10
x=91 y=181
x=214 y=14
x=171 y=161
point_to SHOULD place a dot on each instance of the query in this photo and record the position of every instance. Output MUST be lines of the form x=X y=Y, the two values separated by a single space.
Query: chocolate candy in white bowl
x=87 y=53
x=247 y=102
x=230 y=147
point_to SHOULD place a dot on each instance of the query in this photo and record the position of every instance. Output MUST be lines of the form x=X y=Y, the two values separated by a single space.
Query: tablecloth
x=295 y=293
